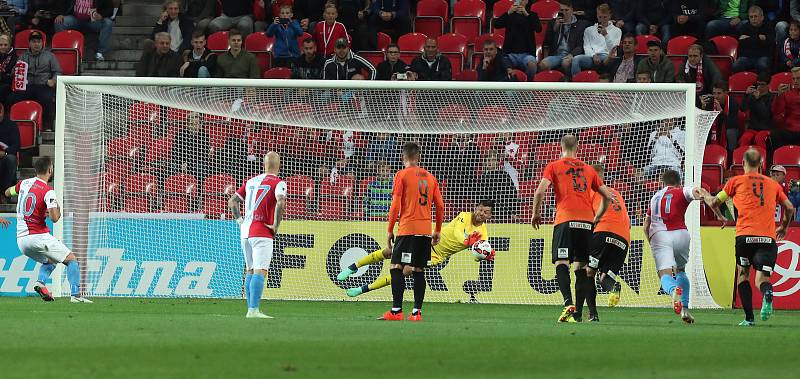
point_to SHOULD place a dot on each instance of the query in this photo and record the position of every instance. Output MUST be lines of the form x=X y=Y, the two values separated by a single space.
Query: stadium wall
x=309 y=255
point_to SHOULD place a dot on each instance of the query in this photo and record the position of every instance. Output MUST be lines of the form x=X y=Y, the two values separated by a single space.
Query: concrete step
x=135 y=30
x=48 y=137
x=26 y=172
x=47 y=150
x=128 y=41
x=109 y=65
x=129 y=55
x=115 y=73
x=142 y=9
x=135 y=21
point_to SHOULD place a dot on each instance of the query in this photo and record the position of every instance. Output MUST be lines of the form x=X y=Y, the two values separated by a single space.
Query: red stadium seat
x=412 y=42
x=68 y=49
x=216 y=207
x=218 y=42
x=588 y=76
x=724 y=64
x=374 y=57
x=453 y=47
x=738 y=156
x=216 y=191
x=384 y=40
x=431 y=17
x=258 y=44
x=278 y=73
x=546 y=9
x=158 y=150
x=778 y=79
x=680 y=45
x=548 y=76
x=21 y=39
x=468 y=18
x=28 y=116
x=677 y=61
x=110 y=189
x=180 y=191
x=220 y=184
x=641 y=43
x=139 y=191
x=335 y=199
x=715 y=160
x=455 y=113
x=144 y=113
x=466 y=76
x=519 y=75
x=300 y=193
x=499 y=7
x=738 y=83
x=726 y=45
x=788 y=157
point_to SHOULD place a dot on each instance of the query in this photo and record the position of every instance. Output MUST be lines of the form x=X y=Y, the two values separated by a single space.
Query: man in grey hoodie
x=43 y=69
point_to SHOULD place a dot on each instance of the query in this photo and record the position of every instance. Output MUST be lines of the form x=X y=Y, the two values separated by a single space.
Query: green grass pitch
x=145 y=338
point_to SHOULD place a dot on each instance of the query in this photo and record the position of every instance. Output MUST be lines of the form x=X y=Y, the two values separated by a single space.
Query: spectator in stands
x=729 y=17
x=382 y=148
x=757 y=103
x=345 y=64
x=8 y=58
x=698 y=69
x=286 y=31
x=624 y=14
x=431 y=65
x=191 y=149
x=585 y=10
x=20 y=7
x=391 y=17
x=236 y=62
x=688 y=18
x=725 y=129
x=309 y=12
x=309 y=65
x=652 y=17
x=235 y=14
x=179 y=27
x=353 y=14
x=160 y=62
x=9 y=145
x=563 y=39
x=198 y=62
x=598 y=40
x=520 y=45
x=789 y=48
x=666 y=145
x=93 y=15
x=42 y=13
x=378 y=195
x=43 y=69
x=201 y=11
x=392 y=65
x=328 y=32
x=778 y=13
x=794 y=195
x=643 y=77
x=495 y=67
x=264 y=11
x=786 y=113
x=622 y=69
x=660 y=68
x=756 y=43
x=496 y=184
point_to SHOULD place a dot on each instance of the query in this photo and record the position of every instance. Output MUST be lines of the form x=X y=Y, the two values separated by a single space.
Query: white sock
x=415 y=310
x=396 y=309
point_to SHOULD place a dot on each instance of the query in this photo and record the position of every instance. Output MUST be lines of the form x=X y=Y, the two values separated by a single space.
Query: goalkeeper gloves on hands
x=474 y=237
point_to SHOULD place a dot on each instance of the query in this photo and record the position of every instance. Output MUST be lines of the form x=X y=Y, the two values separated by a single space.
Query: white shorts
x=257 y=252
x=670 y=248
x=43 y=248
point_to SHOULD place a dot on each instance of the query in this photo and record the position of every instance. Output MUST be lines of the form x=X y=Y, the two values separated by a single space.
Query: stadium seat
x=453 y=47
x=677 y=61
x=680 y=45
x=335 y=199
x=21 y=39
x=778 y=79
x=384 y=40
x=499 y=7
x=300 y=193
x=466 y=76
x=738 y=155
x=641 y=43
x=468 y=18
x=726 y=45
x=715 y=159
x=548 y=76
x=158 y=150
x=144 y=113
x=431 y=17
x=219 y=184
x=278 y=73
x=180 y=191
x=454 y=113
x=28 y=116
x=519 y=75
x=546 y=9
x=216 y=191
x=110 y=189
x=411 y=45
x=258 y=44
x=738 y=83
x=68 y=49
x=139 y=192
x=588 y=76
x=788 y=157
x=218 y=42
x=374 y=57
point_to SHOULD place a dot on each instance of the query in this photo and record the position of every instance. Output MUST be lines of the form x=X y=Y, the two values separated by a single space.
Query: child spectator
x=327 y=33
x=790 y=48
x=286 y=31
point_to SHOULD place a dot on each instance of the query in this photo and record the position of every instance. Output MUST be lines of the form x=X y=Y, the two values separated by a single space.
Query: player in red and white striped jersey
x=36 y=201
x=665 y=229
x=264 y=198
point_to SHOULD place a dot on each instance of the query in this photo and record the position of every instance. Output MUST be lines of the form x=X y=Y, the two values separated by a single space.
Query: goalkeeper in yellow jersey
x=464 y=231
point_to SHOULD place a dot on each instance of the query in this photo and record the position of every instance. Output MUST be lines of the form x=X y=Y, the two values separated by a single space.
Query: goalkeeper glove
x=474 y=237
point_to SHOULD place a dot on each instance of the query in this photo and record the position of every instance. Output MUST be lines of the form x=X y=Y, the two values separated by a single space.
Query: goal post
x=141 y=191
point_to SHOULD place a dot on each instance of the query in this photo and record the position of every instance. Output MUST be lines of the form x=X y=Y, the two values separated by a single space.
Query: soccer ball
x=482 y=250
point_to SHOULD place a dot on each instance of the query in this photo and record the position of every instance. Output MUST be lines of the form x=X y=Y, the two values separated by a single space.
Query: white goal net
x=145 y=168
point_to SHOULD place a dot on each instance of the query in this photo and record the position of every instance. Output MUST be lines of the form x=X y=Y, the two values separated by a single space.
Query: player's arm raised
x=439 y=203
x=538 y=196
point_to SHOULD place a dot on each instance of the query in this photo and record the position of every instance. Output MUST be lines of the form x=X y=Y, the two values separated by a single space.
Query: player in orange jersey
x=755 y=197
x=414 y=193
x=573 y=182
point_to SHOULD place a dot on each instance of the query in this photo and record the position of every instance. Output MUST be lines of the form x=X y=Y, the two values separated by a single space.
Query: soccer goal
x=145 y=167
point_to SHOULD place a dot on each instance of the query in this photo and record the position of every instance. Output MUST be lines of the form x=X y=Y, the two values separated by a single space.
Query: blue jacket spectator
x=286 y=35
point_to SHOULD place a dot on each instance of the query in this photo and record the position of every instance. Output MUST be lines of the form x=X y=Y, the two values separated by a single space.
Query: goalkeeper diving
x=465 y=231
